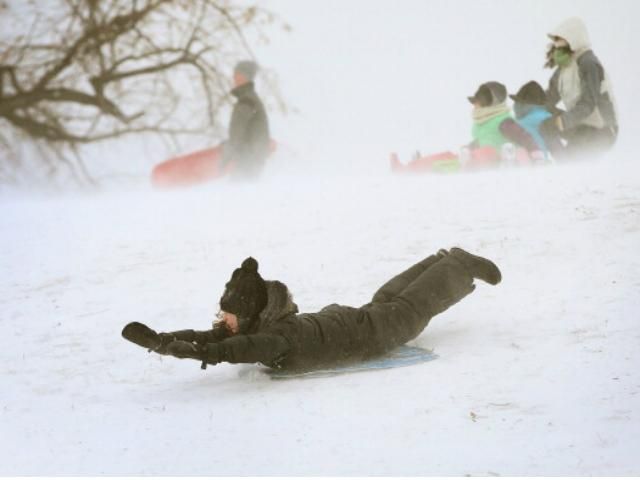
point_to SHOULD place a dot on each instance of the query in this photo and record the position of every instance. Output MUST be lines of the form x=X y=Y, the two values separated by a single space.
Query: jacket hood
x=574 y=31
x=279 y=303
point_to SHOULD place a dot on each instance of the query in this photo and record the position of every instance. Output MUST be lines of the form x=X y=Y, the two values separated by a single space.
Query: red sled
x=489 y=157
x=193 y=168
x=438 y=162
x=446 y=162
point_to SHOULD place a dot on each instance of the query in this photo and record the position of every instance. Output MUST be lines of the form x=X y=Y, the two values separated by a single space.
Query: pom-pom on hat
x=245 y=294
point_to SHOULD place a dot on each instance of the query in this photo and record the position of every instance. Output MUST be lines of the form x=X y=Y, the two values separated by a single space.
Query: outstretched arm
x=265 y=348
x=202 y=337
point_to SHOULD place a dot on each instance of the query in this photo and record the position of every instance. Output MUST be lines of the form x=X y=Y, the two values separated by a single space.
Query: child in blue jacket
x=530 y=112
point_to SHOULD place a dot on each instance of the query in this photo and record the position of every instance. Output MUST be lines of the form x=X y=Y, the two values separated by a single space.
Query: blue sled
x=400 y=357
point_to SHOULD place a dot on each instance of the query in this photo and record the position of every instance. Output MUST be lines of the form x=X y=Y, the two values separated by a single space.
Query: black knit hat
x=531 y=93
x=245 y=295
x=489 y=93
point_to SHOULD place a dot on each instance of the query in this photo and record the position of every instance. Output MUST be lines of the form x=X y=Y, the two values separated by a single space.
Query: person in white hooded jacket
x=589 y=124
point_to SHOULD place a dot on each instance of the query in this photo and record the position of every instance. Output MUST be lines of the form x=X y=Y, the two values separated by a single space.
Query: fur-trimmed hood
x=279 y=303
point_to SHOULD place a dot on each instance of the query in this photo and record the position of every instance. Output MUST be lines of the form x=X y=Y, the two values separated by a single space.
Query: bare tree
x=97 y=70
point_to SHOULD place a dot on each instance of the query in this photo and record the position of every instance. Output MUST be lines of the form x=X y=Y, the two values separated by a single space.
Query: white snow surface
x=536 y=376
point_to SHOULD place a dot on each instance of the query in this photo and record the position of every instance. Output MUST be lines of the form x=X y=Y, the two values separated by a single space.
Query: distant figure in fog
x=248 y=144
x=589 y=125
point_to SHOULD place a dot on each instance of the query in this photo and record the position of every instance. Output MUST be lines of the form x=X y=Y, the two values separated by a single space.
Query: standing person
x=259 y=321
x=247 y=148
x=589 y=125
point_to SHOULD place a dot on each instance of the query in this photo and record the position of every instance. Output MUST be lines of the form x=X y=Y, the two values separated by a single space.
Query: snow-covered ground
x=536 y=376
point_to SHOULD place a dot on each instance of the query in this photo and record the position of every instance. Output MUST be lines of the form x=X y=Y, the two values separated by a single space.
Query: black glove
x=211 y=355
x=165 y=340
x=146 y=337
x=182 y=349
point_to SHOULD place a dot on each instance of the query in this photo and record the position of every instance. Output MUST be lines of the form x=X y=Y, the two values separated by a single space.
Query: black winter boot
x=478 y=267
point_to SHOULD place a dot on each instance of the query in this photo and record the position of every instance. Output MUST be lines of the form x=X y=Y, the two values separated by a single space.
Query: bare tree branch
x=98 y=70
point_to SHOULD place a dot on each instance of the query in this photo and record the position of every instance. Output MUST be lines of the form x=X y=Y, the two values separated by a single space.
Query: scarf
x=483 y=114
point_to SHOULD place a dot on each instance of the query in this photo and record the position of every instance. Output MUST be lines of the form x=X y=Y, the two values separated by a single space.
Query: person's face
x=239 y=79
x=230 y=320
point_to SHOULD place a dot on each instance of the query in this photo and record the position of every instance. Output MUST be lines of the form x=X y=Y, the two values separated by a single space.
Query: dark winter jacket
x=248 y=144
x=282 y=338
x=582 y=85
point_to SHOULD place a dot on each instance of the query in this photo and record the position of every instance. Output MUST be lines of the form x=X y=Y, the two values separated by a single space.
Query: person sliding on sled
x=259 y=322
x=530 y=112
x=248 y=145
x=495 y=133
x=589 y=125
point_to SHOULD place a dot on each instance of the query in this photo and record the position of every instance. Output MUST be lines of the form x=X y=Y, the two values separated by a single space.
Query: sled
x=193 y=168
x=439 y=162
x=448 y=162
x=400 y=357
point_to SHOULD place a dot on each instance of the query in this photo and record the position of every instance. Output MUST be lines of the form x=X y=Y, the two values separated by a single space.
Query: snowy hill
x=536 y=376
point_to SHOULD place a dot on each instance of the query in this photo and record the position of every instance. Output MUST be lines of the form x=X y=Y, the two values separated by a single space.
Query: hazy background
x=536 y=376
x=371 y=76
x=367 y=77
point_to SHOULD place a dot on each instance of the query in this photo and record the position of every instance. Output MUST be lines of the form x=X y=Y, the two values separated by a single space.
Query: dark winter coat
x=248 y=144
x=398 y=313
